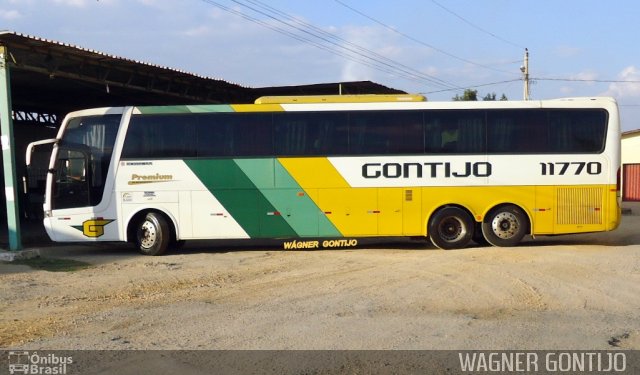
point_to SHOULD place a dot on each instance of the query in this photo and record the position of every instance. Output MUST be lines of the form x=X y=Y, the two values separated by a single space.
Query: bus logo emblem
x=93 y=227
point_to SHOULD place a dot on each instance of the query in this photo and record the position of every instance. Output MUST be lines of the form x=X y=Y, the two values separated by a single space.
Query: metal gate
x=631 y=182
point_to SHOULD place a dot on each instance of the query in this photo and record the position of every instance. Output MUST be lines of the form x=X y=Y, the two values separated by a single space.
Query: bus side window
x=449 y=138
x=578 y=130
x=455 y=132
x=252 y=134
x=386 y=132
x=134 y=142
x=432 y=137
x=160 y=136
x=214 y=135
x=518 y=132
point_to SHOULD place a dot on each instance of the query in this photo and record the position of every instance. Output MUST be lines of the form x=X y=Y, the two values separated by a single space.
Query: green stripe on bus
x=241 y=197
x=149 y=110
x=208 y=108
x=288 y=197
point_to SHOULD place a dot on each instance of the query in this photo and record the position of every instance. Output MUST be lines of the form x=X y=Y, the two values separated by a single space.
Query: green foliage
x=490 y=97
x=470 y=95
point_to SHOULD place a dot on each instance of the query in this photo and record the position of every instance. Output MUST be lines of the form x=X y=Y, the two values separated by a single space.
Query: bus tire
x=177 y=244
x=505 y=226
x=153 y=234
x=451 y=228
x=478 y=237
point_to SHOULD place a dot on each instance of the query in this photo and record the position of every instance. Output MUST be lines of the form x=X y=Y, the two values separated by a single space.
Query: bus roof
x=309 y=99
x=357 y=102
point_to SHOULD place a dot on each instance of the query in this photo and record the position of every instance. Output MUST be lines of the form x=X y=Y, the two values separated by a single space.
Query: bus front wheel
x=505 y=226
x=451 y=228
x=153 y=235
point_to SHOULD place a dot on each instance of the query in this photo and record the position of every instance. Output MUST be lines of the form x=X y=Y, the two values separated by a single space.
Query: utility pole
x=525 y=71
x=8 y=153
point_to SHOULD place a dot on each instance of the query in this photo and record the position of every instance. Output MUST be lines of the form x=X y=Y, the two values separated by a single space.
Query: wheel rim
x=452 y=229
x=148 y=234
x=505 y=225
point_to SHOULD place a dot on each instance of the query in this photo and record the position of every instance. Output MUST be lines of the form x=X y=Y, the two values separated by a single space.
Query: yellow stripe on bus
x=257 y=107
x=316 y=173
x=344 y=206
x=406 y=210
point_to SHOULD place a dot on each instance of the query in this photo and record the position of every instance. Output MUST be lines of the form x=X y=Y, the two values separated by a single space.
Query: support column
x=8 y=153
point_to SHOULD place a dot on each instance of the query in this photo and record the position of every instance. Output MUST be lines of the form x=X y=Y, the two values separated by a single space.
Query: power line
x=474 y=86
x=586 y=80
x=308 y=36
x=267 y=25
x=418 y=40
x=476 y=26
x=335 y=40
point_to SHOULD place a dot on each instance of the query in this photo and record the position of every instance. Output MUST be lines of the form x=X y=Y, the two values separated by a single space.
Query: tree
x=490 y=97
x=468 y=96
x=472 y=95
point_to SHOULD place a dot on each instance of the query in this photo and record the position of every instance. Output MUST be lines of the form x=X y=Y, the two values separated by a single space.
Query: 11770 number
x=575 y=168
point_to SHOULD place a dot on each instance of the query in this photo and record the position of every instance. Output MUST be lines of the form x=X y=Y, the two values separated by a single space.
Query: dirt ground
x=569 y=292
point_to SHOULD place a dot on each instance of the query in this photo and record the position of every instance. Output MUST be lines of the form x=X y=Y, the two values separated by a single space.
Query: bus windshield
x=82 y=161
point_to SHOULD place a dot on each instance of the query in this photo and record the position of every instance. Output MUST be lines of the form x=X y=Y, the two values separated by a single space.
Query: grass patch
x=54 y=264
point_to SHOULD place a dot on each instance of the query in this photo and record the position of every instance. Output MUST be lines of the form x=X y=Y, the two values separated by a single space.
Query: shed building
x=631 y=165
x=46 y=79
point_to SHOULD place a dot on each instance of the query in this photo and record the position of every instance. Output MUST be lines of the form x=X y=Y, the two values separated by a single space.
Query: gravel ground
x=569 y=292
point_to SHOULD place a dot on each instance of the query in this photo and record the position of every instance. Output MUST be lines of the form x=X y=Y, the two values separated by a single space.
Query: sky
x=435 y=47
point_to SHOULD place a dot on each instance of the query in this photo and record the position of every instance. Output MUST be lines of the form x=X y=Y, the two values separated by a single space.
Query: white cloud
x=567 y=51
x=354 y=71
x=432 y=71
x=621 y=90
x=166 y=5
x=83 y=3
x=9 y=15
x=375 y=54
x=587 y=75
x=566 y=90
x=198 y=31
x=72 y=3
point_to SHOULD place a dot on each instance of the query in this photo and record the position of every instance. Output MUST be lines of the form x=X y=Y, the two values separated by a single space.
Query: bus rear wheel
x=153 y=235
x=451 y=228
x=505 y=226
x=478 y=237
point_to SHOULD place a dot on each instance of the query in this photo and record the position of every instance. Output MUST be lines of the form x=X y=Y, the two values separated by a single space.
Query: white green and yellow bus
x=322 y=172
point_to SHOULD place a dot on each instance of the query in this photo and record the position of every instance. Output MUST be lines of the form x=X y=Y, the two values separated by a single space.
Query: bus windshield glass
x=83 y=159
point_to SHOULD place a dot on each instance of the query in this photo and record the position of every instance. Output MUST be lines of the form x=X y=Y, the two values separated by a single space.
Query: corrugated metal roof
x=631 y=133
x=4 y=33
x=49 y=76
